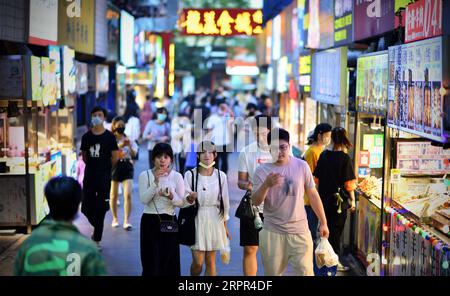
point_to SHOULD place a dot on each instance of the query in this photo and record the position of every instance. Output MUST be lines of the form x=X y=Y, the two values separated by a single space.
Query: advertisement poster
x=415 y=104
x=127 y=39
x=82 y=78
x=329 y=76
x=320 y=30
x=371 y=84
x=343 y=22
x=102 y=78
x=69 y=71
x=48 y=81
x=54 y=53
x=36 y=79
x=374 y=144
x=422 y=158
x=113 y=18
x=372 y=18
x=368 y=227
x=11 y=75
x=304 y=65
x=423 y=20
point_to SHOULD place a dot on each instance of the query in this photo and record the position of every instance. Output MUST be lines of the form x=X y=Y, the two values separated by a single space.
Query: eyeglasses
x=280 y=148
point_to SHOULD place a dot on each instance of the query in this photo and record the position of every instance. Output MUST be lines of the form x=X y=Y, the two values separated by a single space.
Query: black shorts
x=124 y=170
x=249 y=235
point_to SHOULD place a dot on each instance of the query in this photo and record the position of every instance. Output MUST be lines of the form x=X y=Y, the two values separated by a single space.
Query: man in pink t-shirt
x=281 y=185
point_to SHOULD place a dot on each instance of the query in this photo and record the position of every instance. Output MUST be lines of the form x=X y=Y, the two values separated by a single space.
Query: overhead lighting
x=242 y=71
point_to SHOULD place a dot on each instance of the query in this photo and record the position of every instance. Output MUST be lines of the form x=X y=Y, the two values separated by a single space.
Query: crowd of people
x=295 y=201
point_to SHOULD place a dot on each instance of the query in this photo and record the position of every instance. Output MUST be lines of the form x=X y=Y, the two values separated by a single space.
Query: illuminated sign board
x=423 y=20
x=221 y=22
x=305 y=73
x=343 y=22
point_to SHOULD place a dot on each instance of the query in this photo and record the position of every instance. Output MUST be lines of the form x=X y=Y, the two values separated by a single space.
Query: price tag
x=395 y=176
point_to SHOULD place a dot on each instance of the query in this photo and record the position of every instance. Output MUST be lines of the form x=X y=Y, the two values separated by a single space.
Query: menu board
x=371 y=83
x=415 y=104
x=422 y=158
x=374 y=144
x=329 y=76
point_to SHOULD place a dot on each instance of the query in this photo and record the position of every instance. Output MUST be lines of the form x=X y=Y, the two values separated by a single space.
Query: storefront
x=417 y=201
x=35 y=112
x=371 y=97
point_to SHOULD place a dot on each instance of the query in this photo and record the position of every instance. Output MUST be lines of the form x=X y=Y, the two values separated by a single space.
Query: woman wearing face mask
x=317 y=142
x=157 y=131
x=123 y=172
x=211 y=190
x=161 y=189
x=336 y=179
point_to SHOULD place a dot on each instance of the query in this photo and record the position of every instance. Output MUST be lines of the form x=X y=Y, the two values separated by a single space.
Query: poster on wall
x=329 y=76
x=69 y=71
x=371 y=83
x=372 y=18
x=102 y=78
x=343 y=22
x=48 y=81
x=422 y=158
x=415 y=104
x=82 y=78
x=54 y=53
x=423 y=20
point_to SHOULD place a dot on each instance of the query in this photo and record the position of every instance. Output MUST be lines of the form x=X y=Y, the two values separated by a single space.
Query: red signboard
x=423 y=20
x=221 y=22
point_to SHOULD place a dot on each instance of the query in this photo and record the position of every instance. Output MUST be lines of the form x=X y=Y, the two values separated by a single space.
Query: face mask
x=207 y=166
x=162 y=117
x=96 y=121
x=120 y=130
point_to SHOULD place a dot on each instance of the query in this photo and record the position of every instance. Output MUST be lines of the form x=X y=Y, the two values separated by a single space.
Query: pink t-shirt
x=284 y=208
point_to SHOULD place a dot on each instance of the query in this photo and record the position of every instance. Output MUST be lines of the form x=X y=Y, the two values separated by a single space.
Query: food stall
x=32 y=115
x=416 y=233
x=371 y=98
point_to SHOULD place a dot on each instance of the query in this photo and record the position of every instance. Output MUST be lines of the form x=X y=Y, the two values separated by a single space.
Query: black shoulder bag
x=245 y=208
x=186 y=219
x=166 y=226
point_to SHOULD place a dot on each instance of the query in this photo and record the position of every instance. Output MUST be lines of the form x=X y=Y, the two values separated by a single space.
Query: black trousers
x=222 y=158
x=160 y=252
x=336 y=224
x=95 y=204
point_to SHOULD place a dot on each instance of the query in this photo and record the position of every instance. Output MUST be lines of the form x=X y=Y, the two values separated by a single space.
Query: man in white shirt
x=219 y=126
x=250 y=158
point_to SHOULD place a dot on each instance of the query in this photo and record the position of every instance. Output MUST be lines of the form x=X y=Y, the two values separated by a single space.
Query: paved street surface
x=121 y=249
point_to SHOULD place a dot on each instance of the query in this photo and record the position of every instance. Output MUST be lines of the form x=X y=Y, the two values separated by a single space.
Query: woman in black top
x=337 y=183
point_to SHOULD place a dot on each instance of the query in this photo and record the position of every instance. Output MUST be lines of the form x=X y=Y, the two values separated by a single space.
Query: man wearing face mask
x=320 y=139
x=157 y=131
x=100 y=154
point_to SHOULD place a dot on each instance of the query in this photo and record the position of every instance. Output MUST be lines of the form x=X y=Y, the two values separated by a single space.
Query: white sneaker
x=127 y=226
x=115 y=224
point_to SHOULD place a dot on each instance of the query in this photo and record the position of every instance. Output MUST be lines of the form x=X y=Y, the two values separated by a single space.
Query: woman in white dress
x=211 y=190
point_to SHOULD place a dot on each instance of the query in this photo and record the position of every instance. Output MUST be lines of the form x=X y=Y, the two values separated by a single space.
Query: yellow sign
x=77 y=32
x=221 y=22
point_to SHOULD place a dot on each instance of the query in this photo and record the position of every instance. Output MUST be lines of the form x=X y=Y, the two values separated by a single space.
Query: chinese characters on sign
x=415 y=79
x=343 y=22
x=423 y=20
x=221 y=22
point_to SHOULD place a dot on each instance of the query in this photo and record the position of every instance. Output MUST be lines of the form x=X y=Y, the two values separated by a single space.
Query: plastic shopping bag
x=326 y=259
